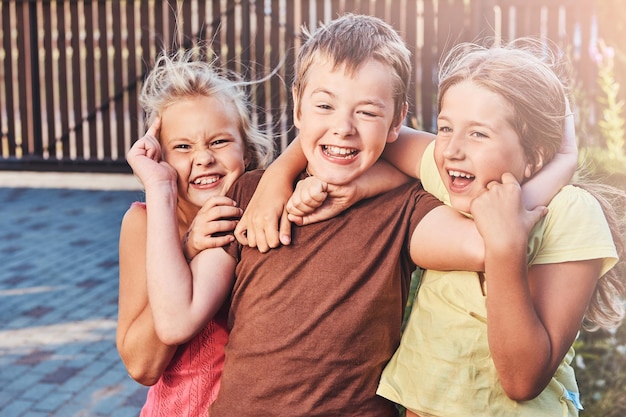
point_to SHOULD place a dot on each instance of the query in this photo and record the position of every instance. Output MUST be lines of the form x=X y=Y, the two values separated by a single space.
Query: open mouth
x=339 y=152
x=459 y=178
x=206 y=180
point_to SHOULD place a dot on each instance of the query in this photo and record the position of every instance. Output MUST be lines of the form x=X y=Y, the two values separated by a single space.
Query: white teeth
x=460 y=174
x=205 y=180
x=338 y=151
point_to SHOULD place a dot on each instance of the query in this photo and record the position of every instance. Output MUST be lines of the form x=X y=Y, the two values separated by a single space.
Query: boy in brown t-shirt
x=314 y=323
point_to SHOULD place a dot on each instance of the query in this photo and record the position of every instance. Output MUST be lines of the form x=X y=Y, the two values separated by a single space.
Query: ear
x=394 y=131
x=532 y=169
x=296 y=107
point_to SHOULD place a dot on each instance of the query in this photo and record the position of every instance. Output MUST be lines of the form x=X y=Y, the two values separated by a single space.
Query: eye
x=324 y=107
x=182 y=146
x=478 y=135
x=221 y=142
x=444 y=129
x=368 y=113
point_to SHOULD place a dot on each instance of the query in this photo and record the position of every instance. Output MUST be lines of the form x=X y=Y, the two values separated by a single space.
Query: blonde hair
x=186 y=74
x=352 y=40
x=533 y=79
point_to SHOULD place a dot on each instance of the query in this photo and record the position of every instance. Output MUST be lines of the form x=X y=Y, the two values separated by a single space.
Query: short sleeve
x=429 y=175
x=574 y=229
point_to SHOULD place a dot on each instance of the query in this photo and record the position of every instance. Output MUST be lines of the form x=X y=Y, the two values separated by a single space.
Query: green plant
x=612 y=122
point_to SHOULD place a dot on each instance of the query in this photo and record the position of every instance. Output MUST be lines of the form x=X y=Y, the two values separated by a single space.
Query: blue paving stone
x=58 y=304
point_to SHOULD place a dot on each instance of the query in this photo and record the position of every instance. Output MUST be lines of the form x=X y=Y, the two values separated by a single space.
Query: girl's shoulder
x=140 y=204
x=571 y=197
x=135 y=215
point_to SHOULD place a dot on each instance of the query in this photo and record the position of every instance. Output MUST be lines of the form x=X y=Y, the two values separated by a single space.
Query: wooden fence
x=70 y=71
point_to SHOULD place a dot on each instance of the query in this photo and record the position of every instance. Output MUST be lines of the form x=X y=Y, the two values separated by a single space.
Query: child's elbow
x=172 y=336
x=141 y=371
x=522 y=390
x=144 y=375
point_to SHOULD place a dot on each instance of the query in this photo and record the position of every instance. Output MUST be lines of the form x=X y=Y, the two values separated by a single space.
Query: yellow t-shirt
x=443 y=366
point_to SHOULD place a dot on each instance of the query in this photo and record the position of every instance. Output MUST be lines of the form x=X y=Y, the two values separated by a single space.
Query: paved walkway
x=58 y=303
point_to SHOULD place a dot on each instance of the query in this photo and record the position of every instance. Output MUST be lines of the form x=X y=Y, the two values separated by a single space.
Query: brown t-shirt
x=314 y=323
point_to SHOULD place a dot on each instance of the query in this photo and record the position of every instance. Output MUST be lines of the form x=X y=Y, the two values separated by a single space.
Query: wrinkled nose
x=204 y=157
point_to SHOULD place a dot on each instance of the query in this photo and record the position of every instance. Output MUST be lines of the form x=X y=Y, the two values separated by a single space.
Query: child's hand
x=500 y=215
x=259 y=224
x=144 y=157
x=315 y=201
x=211 y=226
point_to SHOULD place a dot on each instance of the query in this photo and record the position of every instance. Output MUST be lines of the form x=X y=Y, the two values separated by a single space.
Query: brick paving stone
x=58 y=304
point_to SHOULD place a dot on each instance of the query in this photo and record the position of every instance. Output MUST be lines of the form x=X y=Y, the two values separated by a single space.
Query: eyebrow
x=471 y=122
x=373 y=102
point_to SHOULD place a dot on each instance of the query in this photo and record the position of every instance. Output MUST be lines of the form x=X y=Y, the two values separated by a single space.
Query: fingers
x=308 y=196
x=154 y=128
x=285 y=229
x=241 y=233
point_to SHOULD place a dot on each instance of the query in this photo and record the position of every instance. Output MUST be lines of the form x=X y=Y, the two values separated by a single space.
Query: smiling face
x=476 y=143
x=200 y=138
x=345 y=119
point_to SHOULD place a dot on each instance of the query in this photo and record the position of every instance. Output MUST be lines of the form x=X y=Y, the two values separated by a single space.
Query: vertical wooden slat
x=90 y=76
x=428 y=63
x=8 y=47
x=24 y=76
x=133 y=79
x=230 y=36
x=104 y=104
x=275 y=55
x=64 y=139
x=118 y=98
x=290 y=43
x=50 y=102
x=216 y=27
x=410 y=37
x=259 y=51
x=77 y=93
x=4 y=140
x=187 y=29
x=171 y=36
x=552 y=30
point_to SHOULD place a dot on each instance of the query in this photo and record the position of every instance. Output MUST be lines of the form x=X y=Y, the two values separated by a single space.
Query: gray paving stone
x=58 y=304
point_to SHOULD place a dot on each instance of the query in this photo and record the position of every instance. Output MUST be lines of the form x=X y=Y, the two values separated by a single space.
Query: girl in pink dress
x=200 y=140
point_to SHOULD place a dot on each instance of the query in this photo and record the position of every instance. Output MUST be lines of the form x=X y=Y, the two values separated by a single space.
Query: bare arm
x=259 y=225
x=445 y=231
x=183 y=297
x=142 y=352
x=543 y=186
x=406 y=152
x=533 y=314
x=314 y=201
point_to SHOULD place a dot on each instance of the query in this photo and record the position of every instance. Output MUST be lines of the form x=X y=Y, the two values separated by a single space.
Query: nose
x=343 y=126
x=454 y=147
x=204 y=157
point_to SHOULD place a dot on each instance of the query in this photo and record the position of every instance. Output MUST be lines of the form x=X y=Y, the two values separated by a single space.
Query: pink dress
x=191 y=381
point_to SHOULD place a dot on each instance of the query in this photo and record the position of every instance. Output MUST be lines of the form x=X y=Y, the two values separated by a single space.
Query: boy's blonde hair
x=352 y=40
x=532 y=80
x=186 y=74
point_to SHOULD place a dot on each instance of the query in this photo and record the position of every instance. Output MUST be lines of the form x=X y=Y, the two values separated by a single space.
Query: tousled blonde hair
x=187 y=74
